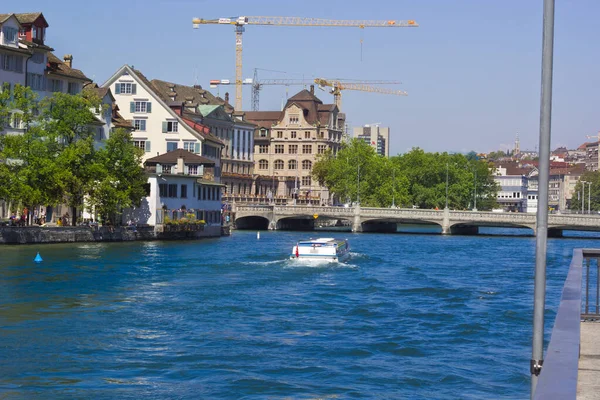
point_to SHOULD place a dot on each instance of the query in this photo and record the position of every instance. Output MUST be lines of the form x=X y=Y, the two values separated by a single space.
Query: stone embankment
x=37 y=234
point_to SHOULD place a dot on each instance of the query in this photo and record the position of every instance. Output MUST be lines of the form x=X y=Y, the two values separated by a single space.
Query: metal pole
x=446 y=185
x=589 y=197
x=475 y=200
x=542 y=211
x=582 y=197
x=393 y=188
x=358 y=184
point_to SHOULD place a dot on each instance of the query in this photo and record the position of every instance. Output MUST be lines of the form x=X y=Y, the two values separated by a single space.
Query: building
x=237 y=135
x=377 y=137
x=288 y=142
x=181 y=185
x=513 y=193
x=591 y=159
x=161 y=127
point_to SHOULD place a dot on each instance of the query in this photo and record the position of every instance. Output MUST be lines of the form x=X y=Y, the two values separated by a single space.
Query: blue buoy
x=38 y=258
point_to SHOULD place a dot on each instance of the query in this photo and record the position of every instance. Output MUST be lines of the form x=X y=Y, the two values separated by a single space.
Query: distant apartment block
x=376 y=136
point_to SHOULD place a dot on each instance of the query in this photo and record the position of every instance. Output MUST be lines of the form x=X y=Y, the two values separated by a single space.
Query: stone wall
x=36 y=234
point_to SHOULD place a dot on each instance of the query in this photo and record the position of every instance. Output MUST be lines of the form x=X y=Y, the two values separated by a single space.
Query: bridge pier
x=465 y=230
x=555 y=233
x=356 y=224
x=446 y=222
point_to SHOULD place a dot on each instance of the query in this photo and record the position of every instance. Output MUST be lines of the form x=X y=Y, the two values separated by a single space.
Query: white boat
x=327 y=249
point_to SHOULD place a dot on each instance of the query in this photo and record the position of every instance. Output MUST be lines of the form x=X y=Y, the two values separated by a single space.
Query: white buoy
x=258 y=235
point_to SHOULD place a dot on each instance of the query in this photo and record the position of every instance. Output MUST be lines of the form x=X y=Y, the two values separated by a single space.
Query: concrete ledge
x=37 y=234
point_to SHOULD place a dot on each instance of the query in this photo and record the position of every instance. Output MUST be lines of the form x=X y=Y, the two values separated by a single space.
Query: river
x=408 y=316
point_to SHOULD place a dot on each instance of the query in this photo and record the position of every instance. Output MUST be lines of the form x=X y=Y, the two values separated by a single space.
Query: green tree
x=119 y=180
x=67 y=122
x=591 y=192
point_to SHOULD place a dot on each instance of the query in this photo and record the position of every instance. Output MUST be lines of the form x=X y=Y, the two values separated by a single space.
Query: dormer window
x=294 y=119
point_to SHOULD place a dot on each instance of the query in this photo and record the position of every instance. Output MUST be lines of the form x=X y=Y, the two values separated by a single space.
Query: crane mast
x=241 y=22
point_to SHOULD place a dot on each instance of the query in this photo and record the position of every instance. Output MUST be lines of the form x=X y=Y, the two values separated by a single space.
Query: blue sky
x=472 y=68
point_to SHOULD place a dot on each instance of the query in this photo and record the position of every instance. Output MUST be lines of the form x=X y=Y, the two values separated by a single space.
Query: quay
x=571 y=368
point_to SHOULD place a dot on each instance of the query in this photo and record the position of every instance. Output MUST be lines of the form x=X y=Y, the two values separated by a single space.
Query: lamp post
x=446 y=185
x=393 y=188
x=358 y=184
x=296 y=182
x=589 y=197
x=475 y=190
x=583 y=196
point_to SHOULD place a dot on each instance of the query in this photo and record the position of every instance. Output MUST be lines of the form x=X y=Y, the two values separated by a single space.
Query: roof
x=97 y=90
x=264 y=119
x=59 y=67
x=203 y=130
x=4 y=17
x=30 y=18
x=206 y=110
x=36 y=45
x=305 y=95
x=183 y=93
x=171 y=157
x=315 y=112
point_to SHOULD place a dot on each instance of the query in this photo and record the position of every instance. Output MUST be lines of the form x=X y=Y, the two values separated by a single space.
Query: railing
x=591 y=274
x=558 y=378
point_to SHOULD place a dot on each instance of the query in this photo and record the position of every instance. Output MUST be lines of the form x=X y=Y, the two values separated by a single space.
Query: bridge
x=370 y=219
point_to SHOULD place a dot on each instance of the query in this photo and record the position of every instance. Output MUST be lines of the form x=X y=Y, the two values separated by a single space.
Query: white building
x=158 y=127
x=179 y=185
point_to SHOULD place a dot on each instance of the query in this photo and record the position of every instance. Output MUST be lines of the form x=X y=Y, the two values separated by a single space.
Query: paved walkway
x=588 y=379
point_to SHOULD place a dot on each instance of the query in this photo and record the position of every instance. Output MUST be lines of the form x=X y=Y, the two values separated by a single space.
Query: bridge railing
x=559 y=374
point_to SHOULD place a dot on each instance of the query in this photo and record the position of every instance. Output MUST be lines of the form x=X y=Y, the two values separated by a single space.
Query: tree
x=67 y=122
x=591 y=192
x=119 y=180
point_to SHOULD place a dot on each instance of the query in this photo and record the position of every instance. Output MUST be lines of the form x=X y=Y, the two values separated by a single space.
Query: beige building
x=377 y=137
x=288 y=142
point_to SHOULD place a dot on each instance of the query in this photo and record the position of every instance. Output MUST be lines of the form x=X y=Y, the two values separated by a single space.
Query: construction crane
x=241 y=22
x=597 y=136
x=337 y=86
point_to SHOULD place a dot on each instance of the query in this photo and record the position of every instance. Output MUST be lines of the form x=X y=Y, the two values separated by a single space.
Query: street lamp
x=446 y=186
x=358 y=184
x=393 y=188
x=583 y=196
x=475 y=190
x=589 y=197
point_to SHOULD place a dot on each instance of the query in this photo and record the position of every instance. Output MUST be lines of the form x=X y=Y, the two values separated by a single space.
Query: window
x=306 y=181
x=191 y=146
x=140 y=107
x=292 y=164
x=306 y=134
x=279 y=134
x=263 y=133
x=293 y=149
x=278 y=164
x=166 y=169
x=162 y=189
x=278 y=149
x=306 y=148
x=293 y=134
x=171 y=146
x=263 y=148
x=54 y=85
x=73 y=88
x=172 y=190
x=263 y=164
x=140 y=144
x=125 y=88
x=11 y=62
x=294 y=119
x=193 y=169
x=306 y=164
x=16 y=121
x=322 y=148
x=184 y=191
x=139 y=124
x=170 y=126
x=10 y=34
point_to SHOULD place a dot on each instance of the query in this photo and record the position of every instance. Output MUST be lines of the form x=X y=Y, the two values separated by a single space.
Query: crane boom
x=240 y=23
x=337 y=86
x=302 y=21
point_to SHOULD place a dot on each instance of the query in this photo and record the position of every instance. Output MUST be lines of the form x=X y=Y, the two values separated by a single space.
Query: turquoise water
x=408 y=316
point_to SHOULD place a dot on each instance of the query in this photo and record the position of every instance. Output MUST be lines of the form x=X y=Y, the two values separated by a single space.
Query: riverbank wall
x=67 y=234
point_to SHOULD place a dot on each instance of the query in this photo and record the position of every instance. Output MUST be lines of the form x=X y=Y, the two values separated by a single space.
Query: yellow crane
x=338 y=85
x=241 y=22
